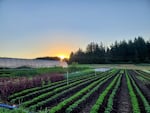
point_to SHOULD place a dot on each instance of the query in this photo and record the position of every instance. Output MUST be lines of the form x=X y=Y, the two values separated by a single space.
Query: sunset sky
x=35 y=28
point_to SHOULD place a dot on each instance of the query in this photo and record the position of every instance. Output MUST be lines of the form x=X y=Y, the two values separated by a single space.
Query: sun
x=61 y=57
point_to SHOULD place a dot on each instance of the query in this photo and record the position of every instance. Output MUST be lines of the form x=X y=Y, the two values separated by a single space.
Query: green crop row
x=77 y=103
x=85 y=97
x=36 y=99
x=13 y=111
x=39 y=104
x=144 y=76
x=33 y=107
x=145 y=72
x=26 y=91
x=40 y=97
x=134 y=101
x=102 y=96
x=112 y=95
x=75 y=96
x=145 y=102
x=39 y=88
x=29 y=72
x=79 y=73
x=38 y=92
x=145 y=81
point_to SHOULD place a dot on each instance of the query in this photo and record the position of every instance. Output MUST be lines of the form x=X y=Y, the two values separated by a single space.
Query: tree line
x=131 y=51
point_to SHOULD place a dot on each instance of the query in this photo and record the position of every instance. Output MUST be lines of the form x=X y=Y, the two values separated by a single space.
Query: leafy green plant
x=75 y=105
x=102 y=96
x=80 y=73
x=76 y=96
x=36 y=99
x=47 y=89
x=19 y=110
x=146 y=104
x=75 y=67
x=112 y=95
x=142 y=75
x=134 y=101
x=30 y=90
x=61 y=93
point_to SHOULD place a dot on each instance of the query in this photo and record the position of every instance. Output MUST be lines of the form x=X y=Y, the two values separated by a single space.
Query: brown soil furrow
x=123 y=103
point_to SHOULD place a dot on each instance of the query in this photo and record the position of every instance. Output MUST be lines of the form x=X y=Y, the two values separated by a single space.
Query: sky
x=36 y=28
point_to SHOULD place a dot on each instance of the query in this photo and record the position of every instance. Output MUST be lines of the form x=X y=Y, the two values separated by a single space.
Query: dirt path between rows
x=123 y=100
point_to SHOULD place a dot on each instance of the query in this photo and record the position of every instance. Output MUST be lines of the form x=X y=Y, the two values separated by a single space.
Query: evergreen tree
x=120 y=52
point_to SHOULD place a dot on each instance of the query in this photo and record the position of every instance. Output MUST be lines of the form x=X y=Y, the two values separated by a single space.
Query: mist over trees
x=131 y=51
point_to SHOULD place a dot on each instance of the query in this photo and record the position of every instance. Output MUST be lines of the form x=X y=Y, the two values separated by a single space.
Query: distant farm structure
x=34 y=63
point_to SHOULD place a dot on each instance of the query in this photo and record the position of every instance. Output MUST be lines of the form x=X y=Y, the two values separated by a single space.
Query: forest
x=131 y=51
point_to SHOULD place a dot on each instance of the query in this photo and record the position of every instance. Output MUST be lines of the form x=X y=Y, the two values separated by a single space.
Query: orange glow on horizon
x=63 y=56
x=59 y=48
x=62 y=51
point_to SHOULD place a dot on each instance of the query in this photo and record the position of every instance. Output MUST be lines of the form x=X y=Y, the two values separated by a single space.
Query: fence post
x=67 y=78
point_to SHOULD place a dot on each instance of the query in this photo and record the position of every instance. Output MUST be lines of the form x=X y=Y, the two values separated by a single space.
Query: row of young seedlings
x=55 y=91
x=75 y=106
x=99 y=102
x=19 y=110
x=109 y=107
x=43 y=90
x=47 y=97
x=143 y=78
x=58 y=95
x=144 y=100
x=32 y=94
x=142 y=75
x=145 y=81
x=27 y=91
x=134 y=101
x=64 y=104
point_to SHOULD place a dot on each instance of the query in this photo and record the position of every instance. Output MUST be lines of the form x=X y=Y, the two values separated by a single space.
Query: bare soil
x=123 y=98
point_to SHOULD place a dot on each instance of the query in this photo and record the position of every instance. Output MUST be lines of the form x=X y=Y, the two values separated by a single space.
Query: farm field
x=75 y=56
x=113 y=91
x=120 y=66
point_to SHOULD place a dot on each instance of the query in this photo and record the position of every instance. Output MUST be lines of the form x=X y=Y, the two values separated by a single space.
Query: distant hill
x=47 y=58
